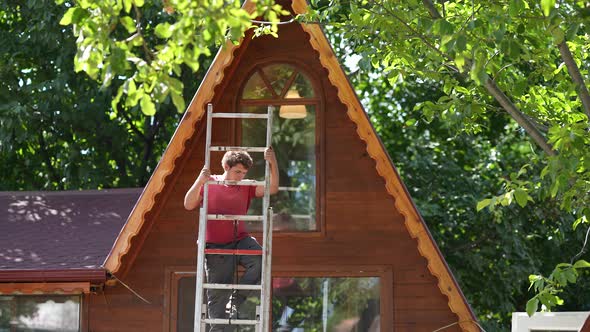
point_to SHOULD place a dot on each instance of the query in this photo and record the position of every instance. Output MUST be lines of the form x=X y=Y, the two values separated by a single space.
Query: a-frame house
x=344 y=216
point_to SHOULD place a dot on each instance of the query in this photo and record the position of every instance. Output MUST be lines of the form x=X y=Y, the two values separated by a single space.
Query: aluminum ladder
x=263 y=310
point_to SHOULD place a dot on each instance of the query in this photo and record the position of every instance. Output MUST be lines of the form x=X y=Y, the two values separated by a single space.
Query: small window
x=40 y=313
x=295 y=140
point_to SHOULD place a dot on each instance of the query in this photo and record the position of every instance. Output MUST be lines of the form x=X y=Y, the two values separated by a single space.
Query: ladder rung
x=237 y=183
x=240 y=115
x=232 y=286
x=237 y=148
x=234 y=217
x=241 y=252
x=229 y=322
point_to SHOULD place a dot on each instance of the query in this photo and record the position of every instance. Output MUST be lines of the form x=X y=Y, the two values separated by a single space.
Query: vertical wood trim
x=387 y=311
x=414 y=223
x=84 y=313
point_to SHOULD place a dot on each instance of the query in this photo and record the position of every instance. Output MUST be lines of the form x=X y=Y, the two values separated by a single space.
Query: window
x=548 y=321
x=350 y=304
x=294 y=139
x=39 y=313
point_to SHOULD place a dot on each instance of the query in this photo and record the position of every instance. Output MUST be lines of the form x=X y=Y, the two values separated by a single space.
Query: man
x=226 y=234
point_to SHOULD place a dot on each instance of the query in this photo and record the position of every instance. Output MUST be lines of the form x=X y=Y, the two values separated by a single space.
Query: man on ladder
x=230 y=234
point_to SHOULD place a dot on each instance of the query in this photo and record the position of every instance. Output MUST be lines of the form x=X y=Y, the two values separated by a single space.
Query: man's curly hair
x=232 y=158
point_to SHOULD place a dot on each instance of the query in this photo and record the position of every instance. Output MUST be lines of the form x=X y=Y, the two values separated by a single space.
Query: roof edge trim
x=97 y=275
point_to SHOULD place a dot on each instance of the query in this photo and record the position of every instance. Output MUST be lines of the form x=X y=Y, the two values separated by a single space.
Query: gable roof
x=384 y=166
x=65 y=230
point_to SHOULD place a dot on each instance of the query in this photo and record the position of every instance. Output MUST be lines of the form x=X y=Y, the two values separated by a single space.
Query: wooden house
x=348 y=239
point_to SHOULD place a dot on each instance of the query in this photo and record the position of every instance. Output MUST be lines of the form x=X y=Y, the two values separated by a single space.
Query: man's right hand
x=204 y=176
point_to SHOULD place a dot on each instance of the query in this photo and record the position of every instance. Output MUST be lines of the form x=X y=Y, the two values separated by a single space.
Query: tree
x=57 y=127
x=524 y=58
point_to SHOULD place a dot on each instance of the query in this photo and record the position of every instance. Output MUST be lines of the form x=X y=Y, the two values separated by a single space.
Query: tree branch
x=576 y=76
x=147 y=51
x=503 y=100
x=518 y=116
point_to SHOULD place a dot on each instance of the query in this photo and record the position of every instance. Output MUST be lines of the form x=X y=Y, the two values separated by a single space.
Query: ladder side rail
x=266 y=228
x=198 y=326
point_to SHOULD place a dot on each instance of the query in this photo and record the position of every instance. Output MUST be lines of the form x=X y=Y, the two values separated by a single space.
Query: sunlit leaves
x=549 y=288
x=113 y=42
x=470 y=44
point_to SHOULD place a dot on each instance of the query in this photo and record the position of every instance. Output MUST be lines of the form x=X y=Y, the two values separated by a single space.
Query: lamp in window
x=293 y=111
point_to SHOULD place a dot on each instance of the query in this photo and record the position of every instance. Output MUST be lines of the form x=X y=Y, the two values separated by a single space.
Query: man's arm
x=192 y=199
x=270 y=156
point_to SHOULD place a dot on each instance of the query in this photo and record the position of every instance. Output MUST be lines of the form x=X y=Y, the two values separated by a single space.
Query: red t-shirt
x=225 y=199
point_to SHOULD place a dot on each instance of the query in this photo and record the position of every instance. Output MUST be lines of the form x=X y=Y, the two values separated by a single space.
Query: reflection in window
x=326 y=304
x=294 y=141
x=303 y=304
x=39 y=313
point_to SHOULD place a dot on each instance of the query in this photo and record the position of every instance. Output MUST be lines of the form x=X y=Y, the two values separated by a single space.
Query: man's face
x=236 y=173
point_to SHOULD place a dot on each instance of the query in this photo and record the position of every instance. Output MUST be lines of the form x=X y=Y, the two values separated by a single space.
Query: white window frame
x=549 y=321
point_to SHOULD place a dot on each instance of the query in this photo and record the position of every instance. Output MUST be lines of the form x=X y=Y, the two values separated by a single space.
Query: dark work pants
x=220 y=269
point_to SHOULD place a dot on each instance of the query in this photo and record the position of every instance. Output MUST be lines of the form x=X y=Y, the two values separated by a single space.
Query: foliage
x=525 y=58
x=57 y=128
x=145 y=44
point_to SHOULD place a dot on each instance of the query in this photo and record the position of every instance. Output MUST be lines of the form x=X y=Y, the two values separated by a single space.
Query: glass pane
x=185 y=307
x=293 y=140
x=256 y=89
x=278 y=75
x=40 y=313
x=301 y=88
x=326 y=304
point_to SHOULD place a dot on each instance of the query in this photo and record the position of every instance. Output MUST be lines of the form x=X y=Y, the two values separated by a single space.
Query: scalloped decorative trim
x=385 y=169
x=44 y=288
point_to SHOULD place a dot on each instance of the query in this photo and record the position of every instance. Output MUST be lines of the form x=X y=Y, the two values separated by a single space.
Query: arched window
x=294 y=140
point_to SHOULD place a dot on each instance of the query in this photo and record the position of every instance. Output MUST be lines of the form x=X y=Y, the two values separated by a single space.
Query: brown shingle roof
x=61 y=230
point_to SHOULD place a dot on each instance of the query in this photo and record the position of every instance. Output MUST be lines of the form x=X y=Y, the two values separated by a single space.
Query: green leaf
x=572 y=31
x=147 y=106
x=581 y=264
x=127 y=5
x=178 y=101
x=483 y=203
x=521 y=197
x=163 y=30
x=579 y=221
x=531 y=306
x=128 y=23
x=558 y=35
x=67 y=18
x=73 y=15
x=547 y=5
